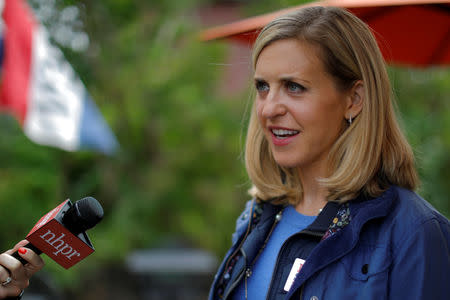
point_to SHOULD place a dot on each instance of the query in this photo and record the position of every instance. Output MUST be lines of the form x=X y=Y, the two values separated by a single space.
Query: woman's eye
x=261 y=86
x=294 y=87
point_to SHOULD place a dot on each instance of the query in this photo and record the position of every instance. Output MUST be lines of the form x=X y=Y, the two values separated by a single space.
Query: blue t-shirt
x=258 y=283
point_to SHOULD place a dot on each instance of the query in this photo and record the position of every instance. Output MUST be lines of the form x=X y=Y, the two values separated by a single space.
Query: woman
x=14 y=277
x=334 y=214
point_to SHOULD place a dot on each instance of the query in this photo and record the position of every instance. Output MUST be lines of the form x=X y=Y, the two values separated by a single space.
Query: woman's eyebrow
x=293 y=78
x=283 y=78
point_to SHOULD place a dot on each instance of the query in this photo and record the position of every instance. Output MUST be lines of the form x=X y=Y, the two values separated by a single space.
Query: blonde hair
x=369 y=155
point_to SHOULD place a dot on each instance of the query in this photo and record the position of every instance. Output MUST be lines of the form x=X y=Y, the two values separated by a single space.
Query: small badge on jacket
x=296 y=267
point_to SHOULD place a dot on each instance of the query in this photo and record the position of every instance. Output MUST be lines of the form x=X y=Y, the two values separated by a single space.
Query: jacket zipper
x=274 y=270
x=243 y=239
x=234 y=284
x=313 y=233
x=237 y=250
x=301 y=291
x=248 y=271
x=277 y=219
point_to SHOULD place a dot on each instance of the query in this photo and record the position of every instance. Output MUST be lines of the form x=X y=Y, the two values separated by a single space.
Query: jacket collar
x=323 y=220
x=319 y=225
x=269 y=211
x=260 y=234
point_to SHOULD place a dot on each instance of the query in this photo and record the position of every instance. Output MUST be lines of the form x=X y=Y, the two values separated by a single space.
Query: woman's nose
x=273 y=107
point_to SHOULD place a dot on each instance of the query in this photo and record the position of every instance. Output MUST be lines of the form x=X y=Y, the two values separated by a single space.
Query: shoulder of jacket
x=400 y=210
x=412 y=210
x=412 y=216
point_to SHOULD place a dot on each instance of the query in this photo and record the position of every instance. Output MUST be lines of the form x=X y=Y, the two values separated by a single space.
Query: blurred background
x=177 y=105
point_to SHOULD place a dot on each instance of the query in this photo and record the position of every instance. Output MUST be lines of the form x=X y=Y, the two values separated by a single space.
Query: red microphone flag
x=53 y=239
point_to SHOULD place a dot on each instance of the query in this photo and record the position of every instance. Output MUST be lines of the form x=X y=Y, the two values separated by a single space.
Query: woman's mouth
x=282 y=137
x=284 y=133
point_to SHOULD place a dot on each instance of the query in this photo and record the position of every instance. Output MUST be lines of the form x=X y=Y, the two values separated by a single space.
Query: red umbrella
x=409 y=32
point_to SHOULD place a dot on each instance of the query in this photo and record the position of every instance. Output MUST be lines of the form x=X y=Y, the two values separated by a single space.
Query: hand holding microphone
x=60 y=234
x=14 y=277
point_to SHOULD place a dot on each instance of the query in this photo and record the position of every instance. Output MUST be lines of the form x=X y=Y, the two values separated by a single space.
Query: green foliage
x=423 y=101
x=177 y=176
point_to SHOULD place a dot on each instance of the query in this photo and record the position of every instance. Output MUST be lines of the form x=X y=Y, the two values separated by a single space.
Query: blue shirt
x=258 y=283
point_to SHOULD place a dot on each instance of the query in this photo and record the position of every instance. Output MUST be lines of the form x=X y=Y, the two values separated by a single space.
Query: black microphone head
x=83 y=215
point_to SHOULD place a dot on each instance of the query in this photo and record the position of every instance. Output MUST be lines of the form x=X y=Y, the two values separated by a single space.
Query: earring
x=350 y=120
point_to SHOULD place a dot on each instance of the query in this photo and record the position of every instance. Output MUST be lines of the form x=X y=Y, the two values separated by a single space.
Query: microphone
x=83 y=215
x=61 y=233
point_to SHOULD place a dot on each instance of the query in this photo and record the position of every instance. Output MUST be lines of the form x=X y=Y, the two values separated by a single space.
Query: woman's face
x=298 y=105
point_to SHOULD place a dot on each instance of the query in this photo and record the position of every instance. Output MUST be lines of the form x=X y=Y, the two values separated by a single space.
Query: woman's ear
x=355 y=100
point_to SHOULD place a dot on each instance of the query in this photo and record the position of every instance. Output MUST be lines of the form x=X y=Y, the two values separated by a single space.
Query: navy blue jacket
x=396 y=246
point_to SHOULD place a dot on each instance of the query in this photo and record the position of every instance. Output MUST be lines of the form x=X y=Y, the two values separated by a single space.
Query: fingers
x=35 y=262
x=15 y=270
x=4 y=275
x=9 y=290
x=7 y=286
x=17 y=246
x=10 y=285
x=20 y=244
x=20 y=274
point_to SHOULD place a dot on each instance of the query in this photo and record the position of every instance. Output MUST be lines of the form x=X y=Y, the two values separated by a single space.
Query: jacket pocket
x=366 y=261
x=363 y=273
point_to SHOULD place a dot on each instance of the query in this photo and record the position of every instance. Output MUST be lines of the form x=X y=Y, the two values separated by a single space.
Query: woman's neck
x=314 y=195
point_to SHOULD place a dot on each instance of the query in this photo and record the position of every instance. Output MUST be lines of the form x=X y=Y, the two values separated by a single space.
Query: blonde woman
x=334 y=215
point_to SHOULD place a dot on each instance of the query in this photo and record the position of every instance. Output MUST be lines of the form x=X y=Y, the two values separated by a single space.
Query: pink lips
x=277 y=141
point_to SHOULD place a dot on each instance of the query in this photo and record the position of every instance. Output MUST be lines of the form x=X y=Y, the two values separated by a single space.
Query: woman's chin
x=286 y=163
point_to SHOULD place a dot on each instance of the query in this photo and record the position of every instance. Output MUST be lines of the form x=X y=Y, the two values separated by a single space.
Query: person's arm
x=14 y=276
x=421 y=263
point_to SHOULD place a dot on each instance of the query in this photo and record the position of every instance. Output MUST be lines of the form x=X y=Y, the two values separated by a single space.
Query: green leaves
x=423 y=100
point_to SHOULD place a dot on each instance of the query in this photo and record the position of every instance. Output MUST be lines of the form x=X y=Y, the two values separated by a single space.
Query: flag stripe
x=94 y=132
x=17 y=58
x=55 y=98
